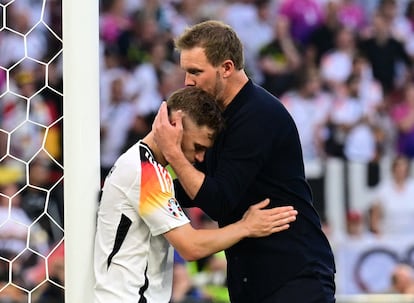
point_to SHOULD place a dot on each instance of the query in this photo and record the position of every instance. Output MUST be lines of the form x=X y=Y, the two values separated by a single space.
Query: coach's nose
x=189 y=81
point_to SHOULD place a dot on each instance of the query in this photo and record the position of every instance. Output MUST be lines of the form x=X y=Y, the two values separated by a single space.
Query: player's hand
x=168 y=131
x=263 y=222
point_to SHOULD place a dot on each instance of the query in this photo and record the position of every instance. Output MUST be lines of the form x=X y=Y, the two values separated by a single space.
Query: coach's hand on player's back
x=261 y=221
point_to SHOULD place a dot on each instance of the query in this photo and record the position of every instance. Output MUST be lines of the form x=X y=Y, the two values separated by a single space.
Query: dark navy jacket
x=258 y=156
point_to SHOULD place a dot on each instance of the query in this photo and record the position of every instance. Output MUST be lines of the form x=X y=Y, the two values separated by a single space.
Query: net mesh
x=31 y=166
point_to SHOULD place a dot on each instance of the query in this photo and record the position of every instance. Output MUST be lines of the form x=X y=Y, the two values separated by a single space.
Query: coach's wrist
x=174 y=155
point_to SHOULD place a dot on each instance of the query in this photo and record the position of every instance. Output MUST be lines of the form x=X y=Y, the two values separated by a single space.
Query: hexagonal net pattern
x=31 y=160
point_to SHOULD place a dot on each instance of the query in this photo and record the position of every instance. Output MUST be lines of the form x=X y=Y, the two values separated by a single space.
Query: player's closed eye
x=199 y=148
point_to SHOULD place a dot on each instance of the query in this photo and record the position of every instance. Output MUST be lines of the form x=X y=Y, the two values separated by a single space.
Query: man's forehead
x=193 y=56
x=201 y=135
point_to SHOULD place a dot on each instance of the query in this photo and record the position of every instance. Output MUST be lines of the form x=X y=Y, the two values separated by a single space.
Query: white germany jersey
x=133 y=260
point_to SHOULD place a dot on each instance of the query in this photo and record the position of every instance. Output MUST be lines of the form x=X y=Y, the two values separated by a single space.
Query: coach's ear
x=228 y=68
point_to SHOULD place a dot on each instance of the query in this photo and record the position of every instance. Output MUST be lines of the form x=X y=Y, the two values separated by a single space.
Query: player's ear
x=168 y=110
x=175 y=116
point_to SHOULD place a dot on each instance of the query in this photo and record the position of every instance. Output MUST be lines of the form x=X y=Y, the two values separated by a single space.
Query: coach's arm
x=193 y=244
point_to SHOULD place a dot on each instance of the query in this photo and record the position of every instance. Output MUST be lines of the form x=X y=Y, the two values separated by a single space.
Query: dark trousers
x=305 y=288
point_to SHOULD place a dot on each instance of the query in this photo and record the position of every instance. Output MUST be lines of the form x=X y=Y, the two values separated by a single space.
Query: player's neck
x=149 y=140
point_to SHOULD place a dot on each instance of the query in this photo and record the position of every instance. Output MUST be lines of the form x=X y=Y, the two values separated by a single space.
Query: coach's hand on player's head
x=168 y=130
x=261 y=221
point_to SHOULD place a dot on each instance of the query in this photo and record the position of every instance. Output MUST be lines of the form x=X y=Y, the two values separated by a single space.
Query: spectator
x=18 y=232
x=42 y=199
x=140 y=127
x=356 y=232
x=351 y=14
x=304 y=16
x=354 y=224
x=360 y=143
x=392 y=208
x=169 y=81
x=210 y=273
x=402 y=279
x=336 y=64
x=349 y=136
x=14 y=47
x=309 y=106
x=113 y=20
x=385 y=54
x=15 y=224
x=110 y=69
x=143 y=87
x=370 y=90
x=394 y=16
x=322 y=38
x=279 y=60
x=28 y=134
x=184 y=290
x=116 y=119
x=408 y=33
x=251 y=21
x=375 y=109
x=403 y=117
x=409 y=15
x=180 y=14
x=53 y=99
x=53 y=290
x=134 y=43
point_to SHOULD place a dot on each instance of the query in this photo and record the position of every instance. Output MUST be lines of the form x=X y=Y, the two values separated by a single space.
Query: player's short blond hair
x=200 y=106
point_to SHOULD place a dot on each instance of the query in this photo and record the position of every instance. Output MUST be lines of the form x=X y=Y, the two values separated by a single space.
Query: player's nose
x=199 y=156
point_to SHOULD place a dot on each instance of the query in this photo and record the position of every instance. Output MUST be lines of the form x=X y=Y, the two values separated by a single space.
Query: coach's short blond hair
x=219 y=41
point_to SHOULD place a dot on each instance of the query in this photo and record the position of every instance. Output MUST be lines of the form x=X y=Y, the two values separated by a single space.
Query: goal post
x=80 y=25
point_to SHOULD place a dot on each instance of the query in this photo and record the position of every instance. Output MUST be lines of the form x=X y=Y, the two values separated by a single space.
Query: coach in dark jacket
x=257 y=156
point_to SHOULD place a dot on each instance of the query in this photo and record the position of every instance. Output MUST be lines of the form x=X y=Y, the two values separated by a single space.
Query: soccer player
x=258 y=155
x=138 y=216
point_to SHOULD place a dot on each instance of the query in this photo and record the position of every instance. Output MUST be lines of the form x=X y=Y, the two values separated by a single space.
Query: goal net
x=49 y=149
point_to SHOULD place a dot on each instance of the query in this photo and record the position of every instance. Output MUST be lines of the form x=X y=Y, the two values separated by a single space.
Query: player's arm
x=168 y=138
x=193 y=244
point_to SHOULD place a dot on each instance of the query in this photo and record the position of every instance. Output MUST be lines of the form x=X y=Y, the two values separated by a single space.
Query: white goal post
x=80 y=21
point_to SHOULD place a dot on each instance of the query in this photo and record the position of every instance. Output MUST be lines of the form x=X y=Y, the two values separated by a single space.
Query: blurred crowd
x=343 y=69
x=31 y=163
